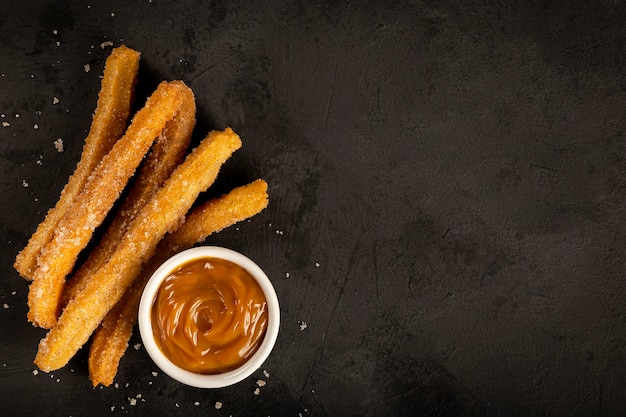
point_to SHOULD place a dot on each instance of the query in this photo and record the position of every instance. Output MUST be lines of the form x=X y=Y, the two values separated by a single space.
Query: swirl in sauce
x=209 y=316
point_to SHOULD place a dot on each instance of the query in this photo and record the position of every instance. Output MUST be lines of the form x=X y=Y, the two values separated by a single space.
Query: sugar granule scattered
x=35 y=126
x=218 y=405
x=303 y=325
x=267 y=374
x=24 y=183
x=196 y=403
x=317 y=264
x=35 y=372
x=58 y=43
x=58 y=144
x=155 y=373
x=260 y=383
x=286 y=274
x=87 y=67
x=257 y=391
x=54 y=32
x=105 y=44
x=132 y=401
x=137 y=346
x=6 y=124
x=112 y=408
x=6 y=306
x=55 y=100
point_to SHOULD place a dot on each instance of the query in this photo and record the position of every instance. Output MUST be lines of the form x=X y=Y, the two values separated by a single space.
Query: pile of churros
x=99 y=298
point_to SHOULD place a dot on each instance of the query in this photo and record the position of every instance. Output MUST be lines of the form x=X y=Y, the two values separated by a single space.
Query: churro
x=166 y=154
x=108 y=125
x=110 y=340
x=84 y=312
x=89 y=209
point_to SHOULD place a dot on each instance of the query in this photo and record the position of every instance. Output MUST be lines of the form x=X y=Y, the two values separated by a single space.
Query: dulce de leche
x=209 y=316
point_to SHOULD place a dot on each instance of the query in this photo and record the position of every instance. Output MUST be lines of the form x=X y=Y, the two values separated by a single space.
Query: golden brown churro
x=108 y=125
x=110 y=340
x=91 y=206
x=84 y=312
x=168 y=151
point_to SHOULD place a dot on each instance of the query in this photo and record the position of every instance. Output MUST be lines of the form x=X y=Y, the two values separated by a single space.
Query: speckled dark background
x=447 y=185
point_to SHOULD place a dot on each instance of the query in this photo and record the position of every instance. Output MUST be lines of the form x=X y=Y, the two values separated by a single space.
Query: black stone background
x=447 y=184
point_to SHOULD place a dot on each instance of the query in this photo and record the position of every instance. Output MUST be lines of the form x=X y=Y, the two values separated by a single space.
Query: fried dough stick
x=108 y=125
x=166 y=154
x=84 y=312
x=91 y=206
x=110 y=340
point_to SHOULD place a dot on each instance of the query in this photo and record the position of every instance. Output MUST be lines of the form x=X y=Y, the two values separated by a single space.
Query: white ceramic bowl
x=212 y=380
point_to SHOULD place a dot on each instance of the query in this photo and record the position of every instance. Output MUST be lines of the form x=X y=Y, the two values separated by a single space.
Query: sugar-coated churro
x=167 y=152
x=91 y=206
x=84 y=312
x=108 y=125
x=110 y=340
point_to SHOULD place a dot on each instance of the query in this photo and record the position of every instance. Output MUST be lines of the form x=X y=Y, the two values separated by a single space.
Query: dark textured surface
x=447 y=186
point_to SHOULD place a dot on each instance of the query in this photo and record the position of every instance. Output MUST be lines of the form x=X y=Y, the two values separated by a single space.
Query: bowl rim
x=208 y=380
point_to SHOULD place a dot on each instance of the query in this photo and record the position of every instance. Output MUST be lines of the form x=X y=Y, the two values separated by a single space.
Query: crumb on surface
x=58 y=144
x=105 y=44
x=55 y=100
x=218 y=405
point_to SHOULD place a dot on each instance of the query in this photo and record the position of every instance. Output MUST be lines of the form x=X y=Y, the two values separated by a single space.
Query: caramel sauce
x=209 y=316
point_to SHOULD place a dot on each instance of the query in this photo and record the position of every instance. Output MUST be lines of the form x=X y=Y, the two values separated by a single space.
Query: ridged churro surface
x=84 y=312
x=102 y=189
x=108 y=125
